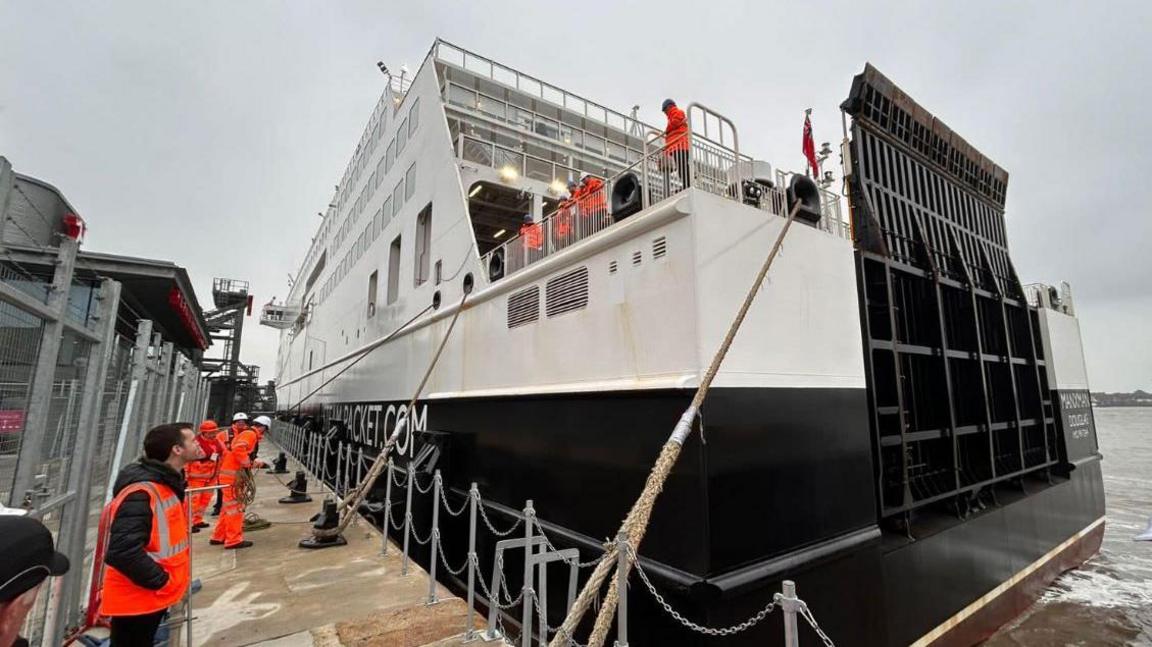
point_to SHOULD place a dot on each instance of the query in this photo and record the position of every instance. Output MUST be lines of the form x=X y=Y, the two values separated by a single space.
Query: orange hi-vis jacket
x=237 y=457
x=676 y=134
x=168 y=547
x=592 y=200
x=530 y=233
x=203 y=471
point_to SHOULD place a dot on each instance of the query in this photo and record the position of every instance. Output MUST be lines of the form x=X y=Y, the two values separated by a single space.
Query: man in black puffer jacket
x=138 y=587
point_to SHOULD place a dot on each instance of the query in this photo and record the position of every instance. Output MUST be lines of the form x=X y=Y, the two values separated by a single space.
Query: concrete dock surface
x=277 y=594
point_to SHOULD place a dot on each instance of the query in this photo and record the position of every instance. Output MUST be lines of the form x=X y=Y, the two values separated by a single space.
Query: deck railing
x=714 y=168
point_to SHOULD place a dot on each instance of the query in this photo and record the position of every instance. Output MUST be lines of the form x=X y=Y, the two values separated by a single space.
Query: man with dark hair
x=146 y=561
x=29 y=559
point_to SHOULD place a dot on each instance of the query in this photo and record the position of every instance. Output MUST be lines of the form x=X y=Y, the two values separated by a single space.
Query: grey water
x=1108 y=600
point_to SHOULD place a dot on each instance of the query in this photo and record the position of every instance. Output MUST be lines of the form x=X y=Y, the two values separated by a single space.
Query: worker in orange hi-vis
x=229 y=529
x=202 y=473
x=239 y=423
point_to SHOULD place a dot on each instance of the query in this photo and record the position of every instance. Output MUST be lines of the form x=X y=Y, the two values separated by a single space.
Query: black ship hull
x=779 y=485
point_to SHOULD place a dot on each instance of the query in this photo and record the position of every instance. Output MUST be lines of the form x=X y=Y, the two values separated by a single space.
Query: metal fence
x=75 y=400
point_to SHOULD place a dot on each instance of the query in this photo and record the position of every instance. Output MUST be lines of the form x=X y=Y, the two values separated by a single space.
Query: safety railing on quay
x=75 y=401
x=342 y=466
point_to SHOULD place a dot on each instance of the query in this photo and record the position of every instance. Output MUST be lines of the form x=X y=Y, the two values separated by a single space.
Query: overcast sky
x=210 y=133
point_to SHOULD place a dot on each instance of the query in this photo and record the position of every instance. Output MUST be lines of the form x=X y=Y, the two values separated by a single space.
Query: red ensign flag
x=809 y=147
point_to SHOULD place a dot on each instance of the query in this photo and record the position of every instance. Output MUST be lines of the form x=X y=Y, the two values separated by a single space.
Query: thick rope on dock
x=347 y=507
x=636 y=523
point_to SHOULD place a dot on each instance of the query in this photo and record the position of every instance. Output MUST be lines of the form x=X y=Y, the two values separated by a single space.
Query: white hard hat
x=264 y=421
x=240 y=416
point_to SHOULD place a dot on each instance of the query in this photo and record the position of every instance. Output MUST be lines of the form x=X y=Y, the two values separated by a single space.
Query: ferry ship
x=902 y=427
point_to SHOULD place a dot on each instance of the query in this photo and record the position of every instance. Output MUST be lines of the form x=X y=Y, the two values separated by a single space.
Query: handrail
x=628 y=123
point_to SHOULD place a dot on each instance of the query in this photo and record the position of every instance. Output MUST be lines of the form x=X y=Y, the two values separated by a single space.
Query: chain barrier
x=416 y=483
x=444 y=560
x=708 y=631
x=575 y=562
x=448 y=508
x=807 y=613
x=401 y=483
x=487 y=522
x=502 y=599
x=416 y=537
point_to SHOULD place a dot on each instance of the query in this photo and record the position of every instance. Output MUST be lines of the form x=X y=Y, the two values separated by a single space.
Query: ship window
x=380 y=171
x=372 y=290
x=423 y=244
x=387 y=213
x=310 y=360
x=390 y=156
x=521 y=118
x=547 y=127
x=401 y=137
x=566 y=292
x=461 y=96
x=414 y=117
x=410 y=182
x=398 y=196
x=493 y=108
x=394 y=271
x=524 y=307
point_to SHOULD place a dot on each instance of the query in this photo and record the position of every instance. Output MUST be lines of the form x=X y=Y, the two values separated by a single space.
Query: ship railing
x=446 y=52
x=341 y=467
x=713 y=169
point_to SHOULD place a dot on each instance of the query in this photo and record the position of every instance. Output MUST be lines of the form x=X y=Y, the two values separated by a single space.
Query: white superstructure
x=461 y=154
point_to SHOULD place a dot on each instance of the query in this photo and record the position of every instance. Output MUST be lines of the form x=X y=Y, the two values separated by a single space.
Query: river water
x=1108 y=601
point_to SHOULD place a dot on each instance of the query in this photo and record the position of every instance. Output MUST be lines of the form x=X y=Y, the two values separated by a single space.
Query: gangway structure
x=229 y=377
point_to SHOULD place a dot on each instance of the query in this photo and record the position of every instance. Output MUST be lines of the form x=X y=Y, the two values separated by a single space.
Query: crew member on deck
x=676 y=140
x=564 y=219
x=593 y=203
x=530 y=234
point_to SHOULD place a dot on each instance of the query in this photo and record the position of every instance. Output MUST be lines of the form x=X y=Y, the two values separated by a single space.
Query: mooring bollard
x=387 y=508
x=436 y=485
x=789 y=604
x=622 y=589
x=526 y=614
x=407 y=519
x=473 y=499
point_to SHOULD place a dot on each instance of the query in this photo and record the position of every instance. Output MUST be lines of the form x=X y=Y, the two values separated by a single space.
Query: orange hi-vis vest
x=168 y=547
x=237 y=457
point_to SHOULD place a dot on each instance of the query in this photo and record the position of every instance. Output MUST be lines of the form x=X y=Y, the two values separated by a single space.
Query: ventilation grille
x=637 y=257
x=659 y=247
x=524 y=307
x=611 y=267
x=566 y=292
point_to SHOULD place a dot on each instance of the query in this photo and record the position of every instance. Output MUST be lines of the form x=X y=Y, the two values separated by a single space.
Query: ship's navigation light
x=500 y=233
x=557 y=187
x=475 y=190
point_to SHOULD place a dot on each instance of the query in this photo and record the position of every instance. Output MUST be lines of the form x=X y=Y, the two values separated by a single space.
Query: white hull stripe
x=983 y=601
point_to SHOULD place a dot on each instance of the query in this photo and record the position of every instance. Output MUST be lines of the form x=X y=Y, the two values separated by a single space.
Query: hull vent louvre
x=611 y=267
x=524 y=307
x=659 y=247
x=566 y=292
x=637 y=257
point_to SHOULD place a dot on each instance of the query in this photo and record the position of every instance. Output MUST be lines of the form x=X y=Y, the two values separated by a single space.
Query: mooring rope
x=636 y=523
x=353 y=500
